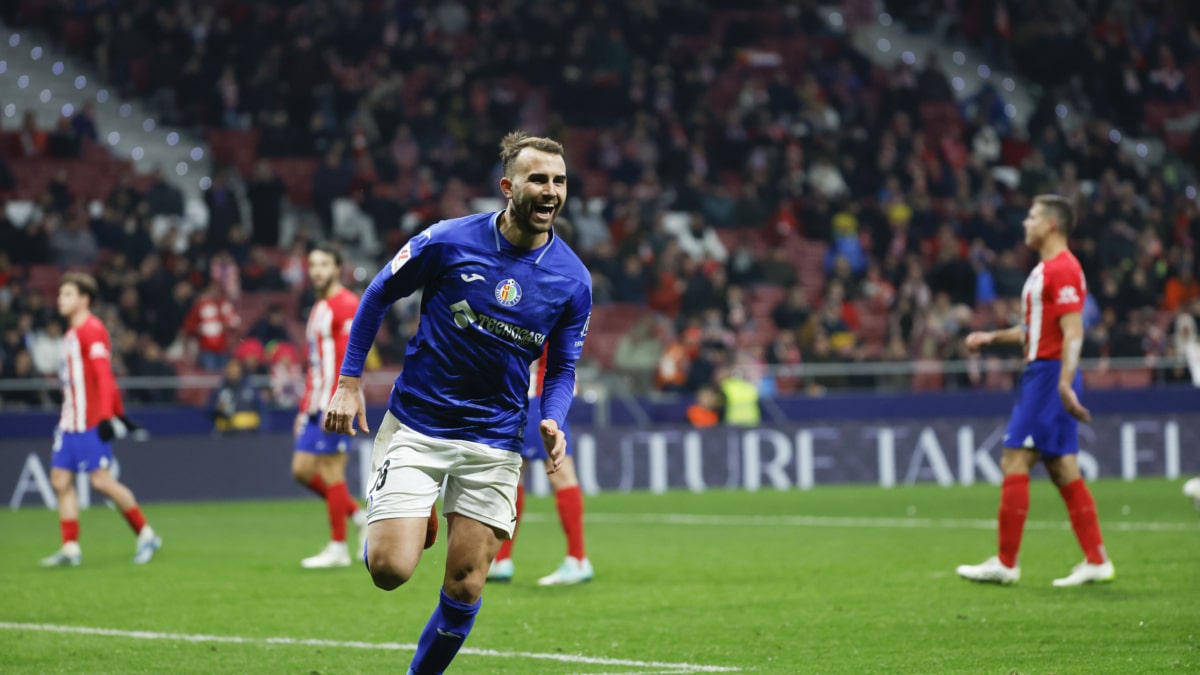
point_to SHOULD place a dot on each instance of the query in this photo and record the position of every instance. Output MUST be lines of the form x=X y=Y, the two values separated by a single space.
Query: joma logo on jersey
x=1067 y=295
x=465 y=316
x=508 y=292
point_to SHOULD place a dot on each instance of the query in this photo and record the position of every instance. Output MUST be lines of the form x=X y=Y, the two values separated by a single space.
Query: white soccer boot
x=335 y=554
x=1087 y=573
x=501 y=570
x=147 y=543
x=990 y=571
x=69 y=555
x=571 y=571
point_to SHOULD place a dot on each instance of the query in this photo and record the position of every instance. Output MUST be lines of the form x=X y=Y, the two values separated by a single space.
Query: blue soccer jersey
x=487 y=311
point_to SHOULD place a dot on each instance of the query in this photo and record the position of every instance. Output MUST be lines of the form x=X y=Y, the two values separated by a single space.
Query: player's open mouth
x=544 y=211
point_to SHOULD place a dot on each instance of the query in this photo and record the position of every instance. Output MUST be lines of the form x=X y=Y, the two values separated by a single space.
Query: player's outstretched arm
x=347 y=406
x=983 y=338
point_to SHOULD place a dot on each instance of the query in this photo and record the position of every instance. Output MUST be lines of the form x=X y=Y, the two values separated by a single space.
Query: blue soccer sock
x=443 y=635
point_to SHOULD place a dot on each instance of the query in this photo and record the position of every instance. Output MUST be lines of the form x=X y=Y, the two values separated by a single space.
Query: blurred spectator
x=638 y=354
x=698 y=240
x=72 y=243
x=706 y=411
x=224 y=213
x=152 y=364
x=31 y=138
x=21 y=367
x=163 y=198
x=1180 y=289
x=62 y=142
x=793 y=311
x=235 y=405
x=271 y=327
x=265 y=190
x=209 y=322
x=46 y=348
x=83 y=123
x=287 y=375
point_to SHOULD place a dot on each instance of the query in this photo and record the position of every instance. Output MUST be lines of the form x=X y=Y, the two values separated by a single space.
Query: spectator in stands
x=630 y=284
x=271 y=327
x=793 y=311
x=235 y=405
x=638 y=354
x=151 y=363
x=58 y=197
x=224 y=213
x=697 y=239
x=72 y=242
x=1181 y=288
x=209 y=322
x=163 y=198
x=706 y=411
x=265 y=190
x=7 y=181
x=63 y=143
x=287 y=375
x=778 y=270
x=83 y=123
x=21 y=367
x=31 y=138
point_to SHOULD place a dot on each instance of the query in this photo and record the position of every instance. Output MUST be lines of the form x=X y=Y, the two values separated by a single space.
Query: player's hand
x=979 y=338
x=347 y=406
x=1070 y=401
x=555 y=442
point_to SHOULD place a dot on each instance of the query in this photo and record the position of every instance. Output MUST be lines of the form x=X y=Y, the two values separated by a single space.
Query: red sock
x=570 y=514
x=1014 y=506
x=335 y=503
x=1082 y=509
x=506 y=546
x=351 y=504
x=135 y=519
x=317 y=485
x=70 y=530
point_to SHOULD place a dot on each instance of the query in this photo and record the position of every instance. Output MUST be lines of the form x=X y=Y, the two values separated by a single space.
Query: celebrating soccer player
x=319 y=462
x=91 y=418
x=568 y=498
x=497 y=288
x=1045 y=419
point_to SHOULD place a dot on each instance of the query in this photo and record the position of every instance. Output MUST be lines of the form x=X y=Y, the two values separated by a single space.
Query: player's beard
x=322 y=289
x=522 y=215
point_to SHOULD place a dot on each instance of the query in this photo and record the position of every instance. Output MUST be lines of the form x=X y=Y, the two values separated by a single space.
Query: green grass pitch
x=835 y=580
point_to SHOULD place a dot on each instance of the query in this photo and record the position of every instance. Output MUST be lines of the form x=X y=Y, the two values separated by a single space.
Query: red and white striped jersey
x=327 y=333
x=1054 y=288
x=89 y=390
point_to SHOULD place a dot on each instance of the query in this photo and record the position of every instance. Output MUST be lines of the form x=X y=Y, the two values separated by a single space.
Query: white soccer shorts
x=408 y=468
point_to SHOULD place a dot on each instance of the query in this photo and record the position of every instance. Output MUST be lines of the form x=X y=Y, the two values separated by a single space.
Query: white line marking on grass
x=351 y=644
x=845 y=521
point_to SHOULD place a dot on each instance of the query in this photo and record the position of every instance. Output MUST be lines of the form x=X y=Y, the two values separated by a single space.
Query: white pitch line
x=353 y=644
x=845 y=521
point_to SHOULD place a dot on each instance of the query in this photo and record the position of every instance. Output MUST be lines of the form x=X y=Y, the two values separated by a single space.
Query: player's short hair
x=84 y=283
x=329 y=250
x=1059 y=208
x=512 y=145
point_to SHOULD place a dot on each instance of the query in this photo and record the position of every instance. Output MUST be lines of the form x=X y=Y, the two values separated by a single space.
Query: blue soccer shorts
x=1039 y=421
x=534 y=449
x=314 y=439
x=81 y=451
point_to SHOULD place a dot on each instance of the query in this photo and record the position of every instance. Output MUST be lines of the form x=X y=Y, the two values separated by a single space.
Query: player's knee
x=100 y=482
x=386 y=572
x=61 y=483
x=302 y=474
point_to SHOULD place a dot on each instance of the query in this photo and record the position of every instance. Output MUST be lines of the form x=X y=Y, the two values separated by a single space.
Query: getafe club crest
x=508 y=292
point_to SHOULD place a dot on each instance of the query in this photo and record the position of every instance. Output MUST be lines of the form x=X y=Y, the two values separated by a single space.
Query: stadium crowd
x=769 y=197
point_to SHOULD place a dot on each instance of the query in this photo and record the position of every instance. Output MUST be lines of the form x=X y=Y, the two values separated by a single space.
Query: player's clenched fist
x=555 y=442
x=346 y=406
